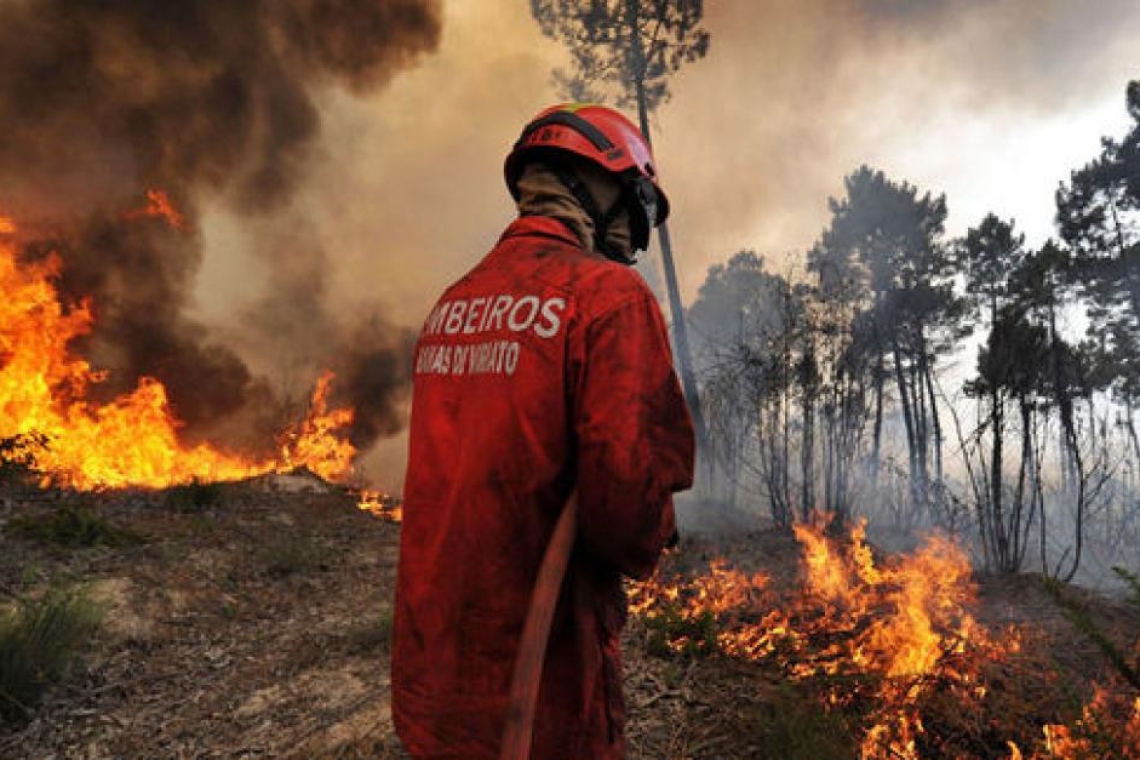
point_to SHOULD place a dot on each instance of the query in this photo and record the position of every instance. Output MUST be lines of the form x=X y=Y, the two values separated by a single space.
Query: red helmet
x=605 y=137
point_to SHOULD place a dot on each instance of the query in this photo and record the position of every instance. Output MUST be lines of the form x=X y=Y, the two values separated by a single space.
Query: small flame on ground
x=1109 y=726
x=380 y=505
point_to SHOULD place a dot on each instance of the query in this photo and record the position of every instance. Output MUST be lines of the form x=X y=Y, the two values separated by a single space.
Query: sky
x=992 y=102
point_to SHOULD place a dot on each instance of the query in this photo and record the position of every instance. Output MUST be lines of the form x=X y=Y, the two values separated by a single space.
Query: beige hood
x=541 y=193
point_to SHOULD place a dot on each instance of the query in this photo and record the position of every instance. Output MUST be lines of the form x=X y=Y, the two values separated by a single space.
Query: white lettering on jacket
x=493 y=357
x=503 y=314
x=485 y=314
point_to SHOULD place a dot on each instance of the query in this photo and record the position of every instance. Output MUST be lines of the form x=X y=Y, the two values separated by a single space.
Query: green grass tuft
x=372 y=633
x=194 y=496
x=795 y=727
x=1131 y=581
x=72 y=526
x=40 y=643
x=1082 y=621
x=293 y=555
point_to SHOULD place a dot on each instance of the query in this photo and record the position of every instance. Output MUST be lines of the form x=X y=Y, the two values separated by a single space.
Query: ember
x=160 y=206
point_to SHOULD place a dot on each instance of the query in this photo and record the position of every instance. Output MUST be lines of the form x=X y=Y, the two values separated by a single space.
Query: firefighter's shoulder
x=607 y=285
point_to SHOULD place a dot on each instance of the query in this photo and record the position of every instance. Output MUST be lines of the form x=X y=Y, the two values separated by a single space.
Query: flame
x=314 y=444
x=380 y=505
x=1109 y=726
x=891 y=639
x=904 y=621
x=133 y=440
x=159 y=206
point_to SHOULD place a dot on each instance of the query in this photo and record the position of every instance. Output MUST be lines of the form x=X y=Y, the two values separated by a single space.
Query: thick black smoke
x=207 y=100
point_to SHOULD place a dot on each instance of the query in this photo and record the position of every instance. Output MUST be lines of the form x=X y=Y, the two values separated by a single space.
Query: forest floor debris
x=255 y=622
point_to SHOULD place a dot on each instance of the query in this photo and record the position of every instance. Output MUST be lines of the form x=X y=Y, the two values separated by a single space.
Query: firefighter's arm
x=635 y=437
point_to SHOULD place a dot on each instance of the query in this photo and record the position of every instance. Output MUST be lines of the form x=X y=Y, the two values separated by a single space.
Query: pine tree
x=623 y=52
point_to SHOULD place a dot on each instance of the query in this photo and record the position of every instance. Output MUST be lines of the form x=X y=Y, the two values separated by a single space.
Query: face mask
x=641 y=199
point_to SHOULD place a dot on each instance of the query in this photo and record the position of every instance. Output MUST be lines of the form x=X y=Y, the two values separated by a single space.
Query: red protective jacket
x=543 y=368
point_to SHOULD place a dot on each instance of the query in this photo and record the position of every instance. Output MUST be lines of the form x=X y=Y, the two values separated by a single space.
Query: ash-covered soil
x=257 y=624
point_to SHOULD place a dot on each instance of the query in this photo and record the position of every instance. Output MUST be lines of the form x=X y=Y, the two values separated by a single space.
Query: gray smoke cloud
x=211 y=101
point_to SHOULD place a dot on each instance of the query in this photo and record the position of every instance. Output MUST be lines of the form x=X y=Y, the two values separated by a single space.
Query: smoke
x=211 y=101
x=980 y=99
x=316 y=206
x=968 y=97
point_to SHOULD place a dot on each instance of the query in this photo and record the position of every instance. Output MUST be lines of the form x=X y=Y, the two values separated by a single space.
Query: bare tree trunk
x=1017 y=508
x=937 y=423
x=1036 y=493
x=997 y=516
x=785 y=445
x=1064 y=405
x=909 y=422
x=829 y=474
x=680 y=332
x=807 y=456
x=1131 y=425
x=1072 y=444
x=978 y=488
x=780 y=466
x=877 y=439
x=922 y=425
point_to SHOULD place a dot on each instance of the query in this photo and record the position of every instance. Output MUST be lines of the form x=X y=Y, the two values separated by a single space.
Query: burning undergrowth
x=893 y=649
x=59 y=420
x=122 y=121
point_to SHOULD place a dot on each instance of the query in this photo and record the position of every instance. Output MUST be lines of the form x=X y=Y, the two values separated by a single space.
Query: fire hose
x=519 y=728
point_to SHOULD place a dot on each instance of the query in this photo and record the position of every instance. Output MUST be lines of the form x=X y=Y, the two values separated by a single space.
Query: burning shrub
x=1108 y=729
x=47 y=391
x=672 y=629
x=883 y=646
x=18 y=456
x=40 y=643
x=686 y=618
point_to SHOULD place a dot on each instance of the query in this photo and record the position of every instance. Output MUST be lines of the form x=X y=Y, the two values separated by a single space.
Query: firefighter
x=544 y=369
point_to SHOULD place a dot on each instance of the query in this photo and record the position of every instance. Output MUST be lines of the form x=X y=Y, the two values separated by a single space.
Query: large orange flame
x=131 y=441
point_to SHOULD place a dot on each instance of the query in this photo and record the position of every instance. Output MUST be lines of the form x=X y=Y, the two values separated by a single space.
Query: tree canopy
x=617 y=45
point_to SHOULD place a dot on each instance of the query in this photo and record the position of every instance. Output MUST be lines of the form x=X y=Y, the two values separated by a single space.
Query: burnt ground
x=256 y=625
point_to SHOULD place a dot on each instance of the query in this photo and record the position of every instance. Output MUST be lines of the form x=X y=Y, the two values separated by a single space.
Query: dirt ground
x=257 y=626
